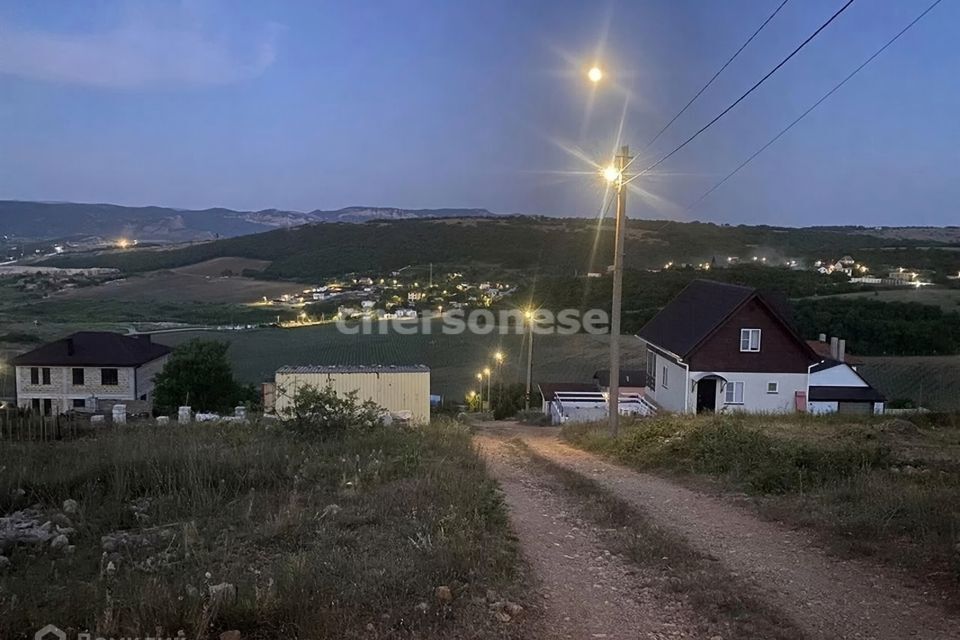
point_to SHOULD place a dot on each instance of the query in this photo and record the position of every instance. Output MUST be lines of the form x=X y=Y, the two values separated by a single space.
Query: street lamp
x=615 y=174
x=499 y=358
x=529 y=315
x=486 y=372
x=480 y=379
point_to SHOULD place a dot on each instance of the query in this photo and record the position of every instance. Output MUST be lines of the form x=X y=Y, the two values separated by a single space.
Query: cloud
x=138 y=53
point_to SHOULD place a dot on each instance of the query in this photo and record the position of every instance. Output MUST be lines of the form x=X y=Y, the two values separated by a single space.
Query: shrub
x=325 y=412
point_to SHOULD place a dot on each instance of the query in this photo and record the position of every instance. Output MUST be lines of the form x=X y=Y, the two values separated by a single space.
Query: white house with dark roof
x=722 y=347
x=89 y=371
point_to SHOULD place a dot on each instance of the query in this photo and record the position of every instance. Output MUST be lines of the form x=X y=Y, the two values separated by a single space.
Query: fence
x=16 y=424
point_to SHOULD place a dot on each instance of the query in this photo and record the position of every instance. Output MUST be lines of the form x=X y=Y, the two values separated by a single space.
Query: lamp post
x=486 y=372
x=616 y=176
x=480 y=379
x=498 y=357
x=528 y=314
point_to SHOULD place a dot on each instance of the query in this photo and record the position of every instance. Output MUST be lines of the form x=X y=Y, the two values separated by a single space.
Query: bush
x=325 y=412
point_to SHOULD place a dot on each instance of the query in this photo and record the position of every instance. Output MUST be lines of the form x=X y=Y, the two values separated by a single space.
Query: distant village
x=388 y=296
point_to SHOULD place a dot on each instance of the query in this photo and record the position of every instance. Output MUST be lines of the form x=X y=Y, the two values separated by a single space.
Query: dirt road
x=826 y=597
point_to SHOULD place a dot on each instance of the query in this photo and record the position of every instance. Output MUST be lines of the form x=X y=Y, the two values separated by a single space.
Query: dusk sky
x=452 y=103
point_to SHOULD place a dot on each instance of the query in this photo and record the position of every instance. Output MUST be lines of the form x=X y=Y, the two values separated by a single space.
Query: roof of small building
x=94 y=349
x=549 y=389
x=701 y=308
x=628 y=377
x=356 y=368
x=845 y=394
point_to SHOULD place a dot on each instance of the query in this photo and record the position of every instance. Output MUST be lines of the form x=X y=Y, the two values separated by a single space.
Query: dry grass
x=726 y=606
x=321 y=538
x=876 y=487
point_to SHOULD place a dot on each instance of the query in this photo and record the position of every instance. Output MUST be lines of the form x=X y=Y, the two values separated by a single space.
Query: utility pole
x=480 y=378
x=614 y=389
x=529 y=317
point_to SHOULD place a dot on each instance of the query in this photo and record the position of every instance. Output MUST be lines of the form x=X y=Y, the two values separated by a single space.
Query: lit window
x=733 y=393
x=773 y=387
x=750 y=340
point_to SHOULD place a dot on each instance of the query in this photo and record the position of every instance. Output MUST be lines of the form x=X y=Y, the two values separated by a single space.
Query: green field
x=454 y=359
x=946 y=299
x=932 y=382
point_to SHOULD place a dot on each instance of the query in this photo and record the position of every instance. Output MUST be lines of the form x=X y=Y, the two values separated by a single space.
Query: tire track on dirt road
x=586 y=591
x=829 y=598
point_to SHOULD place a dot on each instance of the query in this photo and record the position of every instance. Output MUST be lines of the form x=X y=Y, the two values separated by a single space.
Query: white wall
x=839 y=376
x=819 y=407
x=755 y=396
x=670 y=397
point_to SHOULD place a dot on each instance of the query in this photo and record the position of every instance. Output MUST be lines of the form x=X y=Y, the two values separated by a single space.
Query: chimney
x=834 y=348
x=70 y=348
x=842 y=351
x=823 y=337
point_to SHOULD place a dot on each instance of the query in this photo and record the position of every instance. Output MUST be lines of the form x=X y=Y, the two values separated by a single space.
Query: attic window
x=750 y=340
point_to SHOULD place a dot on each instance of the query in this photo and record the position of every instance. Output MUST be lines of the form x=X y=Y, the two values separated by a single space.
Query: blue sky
x=439 y=103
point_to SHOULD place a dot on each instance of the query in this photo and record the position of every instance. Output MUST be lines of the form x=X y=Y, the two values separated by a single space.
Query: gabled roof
x=94 y=349
x=699 y=310
x=628 y=377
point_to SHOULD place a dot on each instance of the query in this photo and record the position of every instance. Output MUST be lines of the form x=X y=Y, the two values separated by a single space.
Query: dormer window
x=750 y=340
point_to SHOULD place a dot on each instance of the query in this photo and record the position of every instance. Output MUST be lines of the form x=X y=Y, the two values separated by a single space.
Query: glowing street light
x=611 y=174
x=480 y=380
x=595 y=74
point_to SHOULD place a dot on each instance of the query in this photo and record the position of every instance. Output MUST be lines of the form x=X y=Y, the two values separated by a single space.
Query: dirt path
x=827 y=597
x=587 y=592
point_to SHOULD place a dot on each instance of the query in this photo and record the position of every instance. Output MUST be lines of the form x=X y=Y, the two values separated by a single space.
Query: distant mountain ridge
x=65 y=220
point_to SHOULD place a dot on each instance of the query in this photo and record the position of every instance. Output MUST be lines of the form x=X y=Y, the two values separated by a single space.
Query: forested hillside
x=547 y=246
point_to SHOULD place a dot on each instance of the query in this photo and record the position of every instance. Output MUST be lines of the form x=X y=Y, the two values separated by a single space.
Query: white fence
x=591 y=406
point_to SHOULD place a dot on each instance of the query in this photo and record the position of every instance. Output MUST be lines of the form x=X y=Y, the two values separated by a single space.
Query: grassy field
x=946 y=299
x=207 y=528
x=454 y=359
x=932 y=382
x=201 y=282
x=873 y=486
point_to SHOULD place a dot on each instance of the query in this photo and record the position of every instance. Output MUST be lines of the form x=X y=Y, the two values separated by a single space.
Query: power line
x=747 y=93
x=814 y=105
x=717 y=74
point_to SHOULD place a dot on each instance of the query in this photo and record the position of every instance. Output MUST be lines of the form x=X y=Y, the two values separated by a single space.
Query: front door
x=707 y=395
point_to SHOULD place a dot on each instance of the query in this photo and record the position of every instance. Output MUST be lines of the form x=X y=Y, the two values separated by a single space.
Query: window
x=47 y=406
x=79 y=403
x=109 y=377
x=45 y=375
x=663 y=380
x=35 y=404
x=733 y=393
x=35 y=379
x=78 y=380
x=750 y=340
x=773 y=387
x=651 y=370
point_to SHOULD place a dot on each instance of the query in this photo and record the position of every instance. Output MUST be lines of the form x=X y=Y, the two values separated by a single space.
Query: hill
x=535 y=245
x=83 y=222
